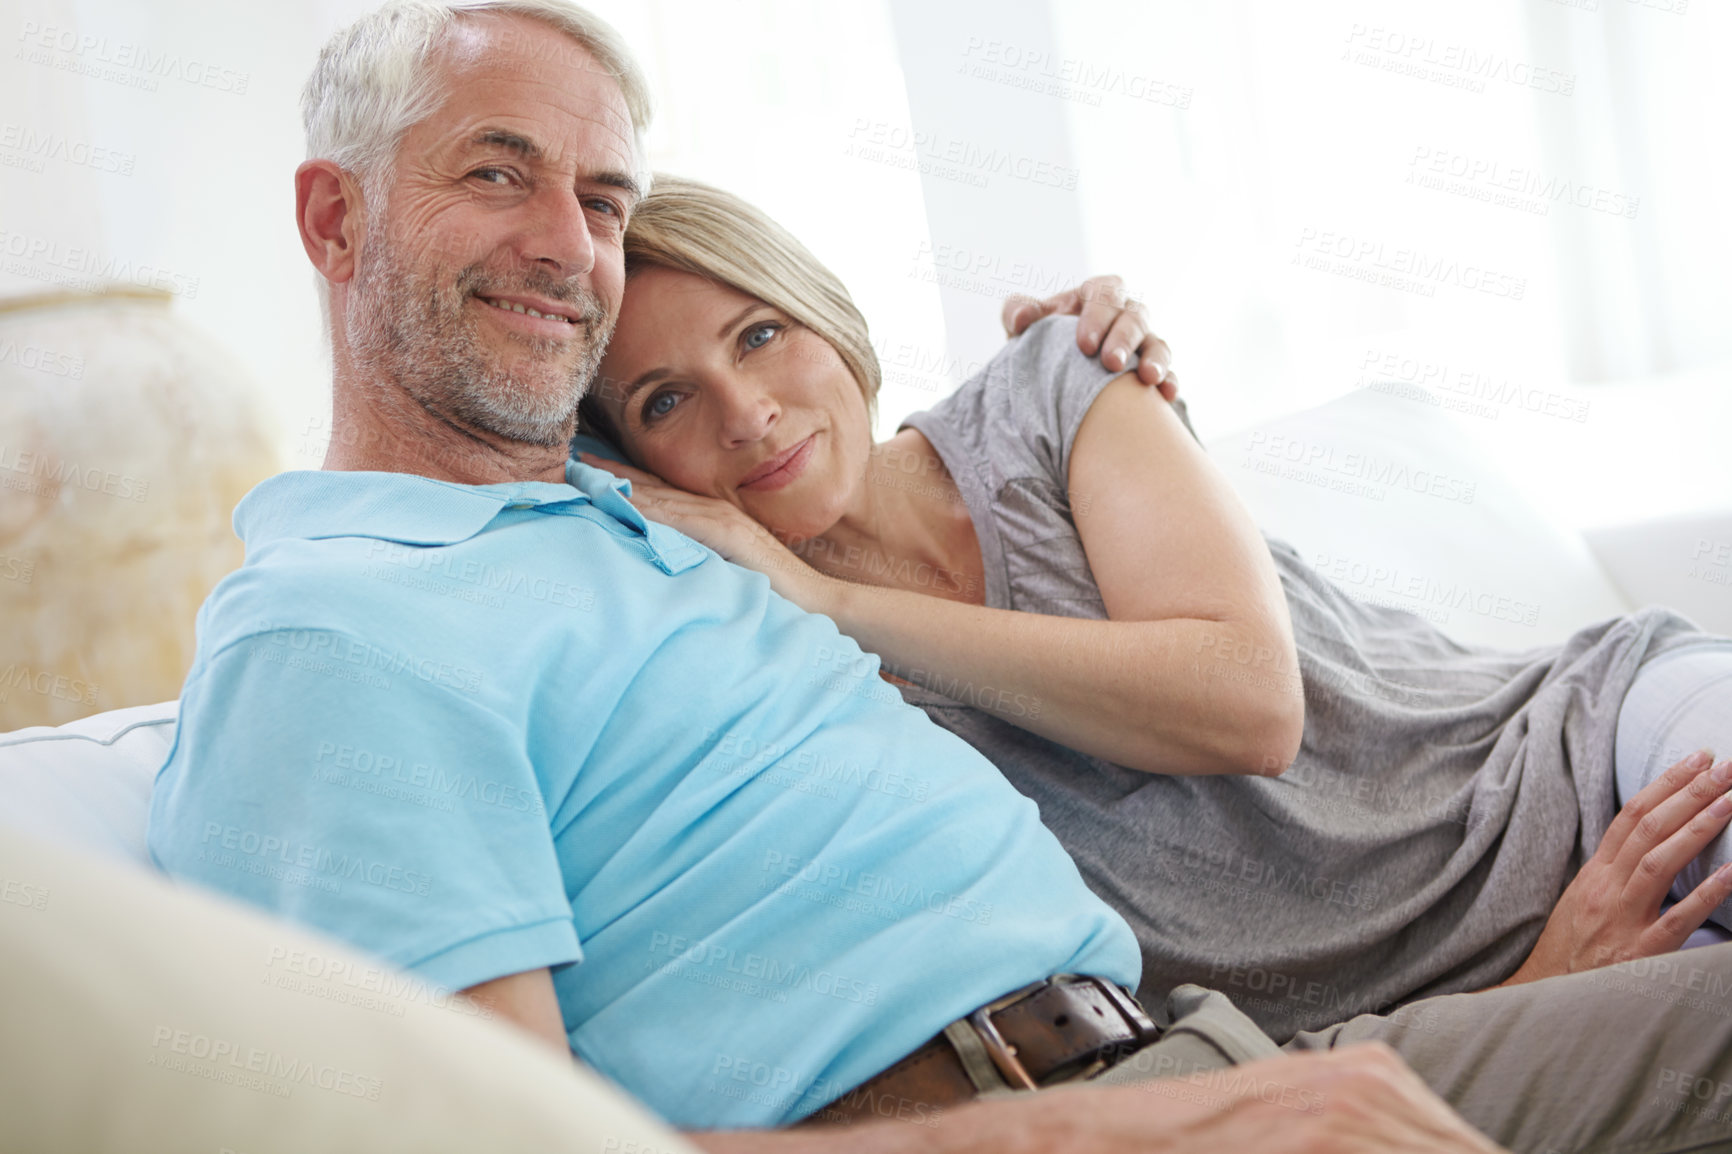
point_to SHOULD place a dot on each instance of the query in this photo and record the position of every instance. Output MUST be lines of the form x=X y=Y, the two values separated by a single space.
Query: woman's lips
x=782 y=470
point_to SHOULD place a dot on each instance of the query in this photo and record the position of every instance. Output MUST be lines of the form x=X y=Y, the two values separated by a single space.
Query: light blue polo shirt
x=482 y=729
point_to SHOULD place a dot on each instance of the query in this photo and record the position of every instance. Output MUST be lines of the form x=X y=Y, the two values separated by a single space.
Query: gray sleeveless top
x=1442 y=799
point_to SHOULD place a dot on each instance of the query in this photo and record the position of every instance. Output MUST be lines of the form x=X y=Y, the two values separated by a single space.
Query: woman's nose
x=748 y=414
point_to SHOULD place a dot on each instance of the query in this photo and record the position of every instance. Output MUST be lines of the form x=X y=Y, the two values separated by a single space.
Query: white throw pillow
x=87 y=783
x=139 y=1016
x=1398 y=504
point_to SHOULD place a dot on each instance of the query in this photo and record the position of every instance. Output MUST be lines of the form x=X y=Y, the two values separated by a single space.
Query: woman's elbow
x=1258 y=729
x=1260 y=743
x=1273 y=743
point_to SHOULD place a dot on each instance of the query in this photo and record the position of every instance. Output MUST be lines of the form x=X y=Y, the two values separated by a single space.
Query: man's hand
x=1109 y=323
x=1359 y=1099
x=1611 y=911
x=1356 y=1100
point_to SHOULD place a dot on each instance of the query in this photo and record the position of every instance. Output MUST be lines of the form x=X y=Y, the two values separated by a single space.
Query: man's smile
x=538 y=316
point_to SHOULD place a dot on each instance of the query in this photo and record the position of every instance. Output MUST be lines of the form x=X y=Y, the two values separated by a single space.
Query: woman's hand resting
x=724 y=528
x=1611 y=911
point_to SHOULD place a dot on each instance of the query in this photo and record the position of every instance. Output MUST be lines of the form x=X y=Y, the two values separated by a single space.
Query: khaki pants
x=1633 y=1059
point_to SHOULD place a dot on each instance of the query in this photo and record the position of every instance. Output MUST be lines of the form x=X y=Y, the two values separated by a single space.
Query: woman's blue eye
x=654 y=407
x=765 y=331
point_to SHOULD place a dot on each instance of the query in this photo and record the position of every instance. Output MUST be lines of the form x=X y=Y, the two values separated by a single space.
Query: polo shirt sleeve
x=380 y=800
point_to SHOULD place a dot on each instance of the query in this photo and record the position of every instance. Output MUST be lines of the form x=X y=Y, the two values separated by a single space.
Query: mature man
x=465 y=707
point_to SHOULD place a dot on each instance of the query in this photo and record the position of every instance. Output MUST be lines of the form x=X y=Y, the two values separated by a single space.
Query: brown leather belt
x=1056 y=1030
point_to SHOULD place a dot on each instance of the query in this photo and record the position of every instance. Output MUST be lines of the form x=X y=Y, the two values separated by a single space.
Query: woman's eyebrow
x=729 y=325
x=648 y=378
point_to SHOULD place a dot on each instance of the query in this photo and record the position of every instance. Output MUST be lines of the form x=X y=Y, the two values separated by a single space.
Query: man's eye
x=758 y=336
x=605 y=206
x=492 y=175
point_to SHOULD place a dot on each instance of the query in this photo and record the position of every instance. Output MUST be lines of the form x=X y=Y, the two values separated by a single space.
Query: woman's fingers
x=1651 y=832
x=1687 y=916
x=1610 y=912
x=1661 y=864
x=1649 y=798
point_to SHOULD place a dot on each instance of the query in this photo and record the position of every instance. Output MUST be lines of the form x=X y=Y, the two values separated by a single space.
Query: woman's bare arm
x=1196 y=670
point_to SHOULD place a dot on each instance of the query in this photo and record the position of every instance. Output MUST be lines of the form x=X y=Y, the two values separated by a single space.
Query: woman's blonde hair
x=692 y=227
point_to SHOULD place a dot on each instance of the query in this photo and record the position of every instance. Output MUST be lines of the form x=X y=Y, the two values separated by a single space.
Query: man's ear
x=330 y=214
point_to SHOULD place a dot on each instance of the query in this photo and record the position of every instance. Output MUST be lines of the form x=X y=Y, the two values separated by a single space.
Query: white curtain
x=1650 y=295
x=1573 y=149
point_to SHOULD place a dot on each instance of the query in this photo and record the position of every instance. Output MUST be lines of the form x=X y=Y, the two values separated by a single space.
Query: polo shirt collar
x=415 y=510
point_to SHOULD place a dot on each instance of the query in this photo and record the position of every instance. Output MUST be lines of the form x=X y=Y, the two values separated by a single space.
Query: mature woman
x=1318 y=806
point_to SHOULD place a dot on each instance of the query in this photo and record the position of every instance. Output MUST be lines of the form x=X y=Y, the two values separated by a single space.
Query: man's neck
x=376 y=426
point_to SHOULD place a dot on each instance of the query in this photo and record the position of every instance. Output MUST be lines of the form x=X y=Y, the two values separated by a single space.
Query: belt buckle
x=1142 y=1026
x=1003 y=1055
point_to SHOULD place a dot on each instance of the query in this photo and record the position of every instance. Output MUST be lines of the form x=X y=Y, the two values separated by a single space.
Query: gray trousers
x=1635 y=1058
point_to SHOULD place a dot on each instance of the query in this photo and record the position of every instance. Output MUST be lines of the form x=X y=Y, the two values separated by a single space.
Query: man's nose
x=557 y=235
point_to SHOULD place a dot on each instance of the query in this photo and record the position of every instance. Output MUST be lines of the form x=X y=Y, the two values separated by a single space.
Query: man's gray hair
x=374 y=80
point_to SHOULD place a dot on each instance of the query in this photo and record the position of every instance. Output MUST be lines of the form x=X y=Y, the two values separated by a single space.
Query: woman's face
x=723 y=395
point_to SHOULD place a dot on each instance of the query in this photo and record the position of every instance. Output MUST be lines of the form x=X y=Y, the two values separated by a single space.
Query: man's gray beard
x=408 y=329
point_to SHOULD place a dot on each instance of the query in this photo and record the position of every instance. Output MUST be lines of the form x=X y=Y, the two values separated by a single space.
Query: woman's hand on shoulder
x=1612 y=911
x=726 y=529
x=1109 y=324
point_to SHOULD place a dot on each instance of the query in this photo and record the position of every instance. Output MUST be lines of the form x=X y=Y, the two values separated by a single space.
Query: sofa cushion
x=87 y=783
x=142 y=1016
x=1400 y=505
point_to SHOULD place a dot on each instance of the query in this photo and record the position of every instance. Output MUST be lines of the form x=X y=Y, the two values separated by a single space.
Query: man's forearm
x=1359 y=1098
